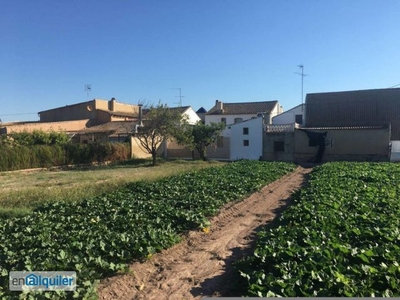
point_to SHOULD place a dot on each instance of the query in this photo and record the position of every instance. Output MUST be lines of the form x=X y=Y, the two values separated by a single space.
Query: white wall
x=193 y=118
x=395 y=151
x=255 y=137
x=278 y=109
x=288 y=117
x=230 y=120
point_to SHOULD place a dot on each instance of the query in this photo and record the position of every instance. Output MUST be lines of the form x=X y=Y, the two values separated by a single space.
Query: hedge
x=44 y=156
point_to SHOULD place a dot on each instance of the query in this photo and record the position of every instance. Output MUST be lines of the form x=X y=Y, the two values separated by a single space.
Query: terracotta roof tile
x=115 y=127
x=243 y=108
x=120 y=113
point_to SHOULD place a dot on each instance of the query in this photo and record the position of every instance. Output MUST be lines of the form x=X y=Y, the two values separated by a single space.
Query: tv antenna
x=88 y=88
x=302 y=82
x=394 y=86
x=180 y=96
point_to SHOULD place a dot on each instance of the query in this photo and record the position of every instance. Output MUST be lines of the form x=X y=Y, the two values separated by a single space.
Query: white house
x=291 y=116
x=189 y=113
x=246 y=140
x=233 y=113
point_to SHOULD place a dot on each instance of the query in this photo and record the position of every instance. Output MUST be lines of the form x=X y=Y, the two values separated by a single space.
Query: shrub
x=15 y=157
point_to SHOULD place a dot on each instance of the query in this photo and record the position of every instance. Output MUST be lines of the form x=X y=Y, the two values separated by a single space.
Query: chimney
x=111 y=104
x=140 y=115
x=219 y=105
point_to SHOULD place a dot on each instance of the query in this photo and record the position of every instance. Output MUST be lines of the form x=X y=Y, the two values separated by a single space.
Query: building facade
x=246 y=140
x=291 y=116
x=375 y=107
x=96 y=110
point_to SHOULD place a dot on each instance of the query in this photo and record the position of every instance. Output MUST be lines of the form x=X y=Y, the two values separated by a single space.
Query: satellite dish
x=89 y=108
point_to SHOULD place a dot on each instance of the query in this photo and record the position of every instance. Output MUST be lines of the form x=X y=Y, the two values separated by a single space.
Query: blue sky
x=234 y=51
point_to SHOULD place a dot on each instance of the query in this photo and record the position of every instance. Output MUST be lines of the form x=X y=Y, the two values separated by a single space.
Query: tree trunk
x=154 y=157
x=202 y=152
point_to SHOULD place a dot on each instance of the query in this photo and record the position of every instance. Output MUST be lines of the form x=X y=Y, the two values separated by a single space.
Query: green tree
x=159 y=123
x=200 y=136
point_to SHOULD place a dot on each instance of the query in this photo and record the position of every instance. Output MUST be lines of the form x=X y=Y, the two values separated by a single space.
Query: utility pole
x=302 y=83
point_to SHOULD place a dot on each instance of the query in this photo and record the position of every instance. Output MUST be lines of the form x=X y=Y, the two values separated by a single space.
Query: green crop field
x=341 y=237
x=22 y=191
x=99 y=235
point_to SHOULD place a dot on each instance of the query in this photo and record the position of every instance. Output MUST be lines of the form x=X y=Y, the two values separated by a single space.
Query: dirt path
x=201 y=265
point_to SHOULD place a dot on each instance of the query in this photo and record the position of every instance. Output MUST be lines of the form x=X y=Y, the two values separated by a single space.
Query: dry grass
x=20 y=192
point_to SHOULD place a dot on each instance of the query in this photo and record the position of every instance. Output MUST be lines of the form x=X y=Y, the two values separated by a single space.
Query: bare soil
x=201 y=265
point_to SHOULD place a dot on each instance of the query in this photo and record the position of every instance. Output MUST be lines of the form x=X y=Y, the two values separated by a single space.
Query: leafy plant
x=99 y=236
x=340 y=237
x=36 y=156
x=36 y=137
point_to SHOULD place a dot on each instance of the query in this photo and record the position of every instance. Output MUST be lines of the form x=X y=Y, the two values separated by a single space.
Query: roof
x=71 y=105
x=112 y=128
x=374 y=107
x=119 y=113
x=18 y=123
x=243 y=108
x=89 y=102
x=201 y=110
x=342 y=128
x=181 y=109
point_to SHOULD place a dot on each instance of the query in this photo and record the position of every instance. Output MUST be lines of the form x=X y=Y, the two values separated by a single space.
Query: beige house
x=116 y=131
x=76 y=118
x=96 y=111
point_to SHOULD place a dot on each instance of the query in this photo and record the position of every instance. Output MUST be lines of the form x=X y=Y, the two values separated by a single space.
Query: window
x=238 y=120
x=223 y=120
x=279 y=146
x=246 y=130
x=246 y=143
x=220 y=142
x=299 y=119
